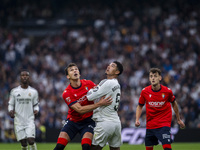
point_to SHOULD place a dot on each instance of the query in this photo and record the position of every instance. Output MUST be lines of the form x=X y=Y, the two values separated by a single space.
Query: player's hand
x=137 y=123
x=105 y=101
x=12 y=113
x=35 y=112
x=181 y=123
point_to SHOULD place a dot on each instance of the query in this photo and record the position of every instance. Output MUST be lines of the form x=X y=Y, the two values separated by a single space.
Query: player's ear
x=160 y=78
x=68 y=77
x=117 y=72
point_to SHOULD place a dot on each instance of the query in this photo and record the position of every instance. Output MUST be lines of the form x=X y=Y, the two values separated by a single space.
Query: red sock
x=62 y=141
x=167 y=146
x=86 y=141
x=149 y=148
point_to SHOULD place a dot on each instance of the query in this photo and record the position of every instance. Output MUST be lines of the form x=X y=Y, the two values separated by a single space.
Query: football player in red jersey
x=80 y=110
x=158 y=100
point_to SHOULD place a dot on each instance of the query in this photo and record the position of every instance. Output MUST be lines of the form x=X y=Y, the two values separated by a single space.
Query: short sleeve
x=69 y=100
x=141 y=98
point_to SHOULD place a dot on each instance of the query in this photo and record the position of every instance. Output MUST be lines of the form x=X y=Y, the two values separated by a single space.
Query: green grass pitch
x=77 y=146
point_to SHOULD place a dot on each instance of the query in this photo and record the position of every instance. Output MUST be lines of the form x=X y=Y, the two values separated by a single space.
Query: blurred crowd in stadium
x=140 y=34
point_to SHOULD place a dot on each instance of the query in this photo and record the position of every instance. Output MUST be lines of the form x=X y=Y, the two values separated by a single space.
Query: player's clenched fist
x=137 y=123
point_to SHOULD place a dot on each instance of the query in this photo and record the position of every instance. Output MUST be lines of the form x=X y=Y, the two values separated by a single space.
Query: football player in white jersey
x=23 y=106
x=108 y=125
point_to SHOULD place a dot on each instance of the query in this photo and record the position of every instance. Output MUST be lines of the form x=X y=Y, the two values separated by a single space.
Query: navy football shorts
x=72 y=128
x=162 y=134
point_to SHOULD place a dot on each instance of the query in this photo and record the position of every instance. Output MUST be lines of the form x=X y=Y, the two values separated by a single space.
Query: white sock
x=25 y=148
x=33 y=147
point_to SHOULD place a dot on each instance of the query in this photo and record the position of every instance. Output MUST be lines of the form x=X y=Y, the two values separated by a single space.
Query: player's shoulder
x=112 y=82
x=67 y=91
x=15 y=89
x=86 y=82
x=147 y=88
x=165 y=88
x=32 y=89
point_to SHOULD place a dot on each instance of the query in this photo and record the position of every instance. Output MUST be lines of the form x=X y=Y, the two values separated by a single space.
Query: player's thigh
x=164 y=135
x=114 y=139
x=86 y=128
x=150 y=138
x=100 y=136
x=101 y=133
x=20 y=132
x=30 y=131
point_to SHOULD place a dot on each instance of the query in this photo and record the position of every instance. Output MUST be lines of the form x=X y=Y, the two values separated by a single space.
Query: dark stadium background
x=44 y=36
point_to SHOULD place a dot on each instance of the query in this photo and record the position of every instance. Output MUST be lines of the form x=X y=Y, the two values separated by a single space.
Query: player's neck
x=111 y=76
x=24 y=86
x=75 y=83
x=156 y=87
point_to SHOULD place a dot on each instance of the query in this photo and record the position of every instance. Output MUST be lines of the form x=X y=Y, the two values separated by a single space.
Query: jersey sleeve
x=141 y=98
x=171 y=96
x=11 y=101
x=36 y=101
x=99 y=91
x=67 y=97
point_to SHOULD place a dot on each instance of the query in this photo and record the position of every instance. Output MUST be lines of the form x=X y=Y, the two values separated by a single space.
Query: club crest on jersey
x=68 y=99
x=150 y=95
x=86 y=88
x=163 y=95
x=29 y=94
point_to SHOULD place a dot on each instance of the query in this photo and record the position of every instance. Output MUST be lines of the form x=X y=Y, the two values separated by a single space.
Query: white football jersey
x=23 y=102
x=107 y=87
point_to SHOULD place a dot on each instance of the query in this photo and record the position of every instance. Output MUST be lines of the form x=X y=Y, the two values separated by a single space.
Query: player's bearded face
x=73 y=73
x=24 y=77
x=154 y=78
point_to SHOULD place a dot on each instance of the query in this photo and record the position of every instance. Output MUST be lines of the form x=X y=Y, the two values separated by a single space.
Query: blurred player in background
x=158 y=100
x=23 y=106
x=108 y=125
x=79 y=118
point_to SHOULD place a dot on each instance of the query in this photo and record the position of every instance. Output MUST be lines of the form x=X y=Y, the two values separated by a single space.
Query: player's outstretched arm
x=87 y=108
x=138 y=114
x=176 y=110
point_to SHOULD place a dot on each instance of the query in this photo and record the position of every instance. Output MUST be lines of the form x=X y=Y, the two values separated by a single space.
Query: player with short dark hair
x=79 y=118
x=23 y=106
x=108 y=124
x=158 y=100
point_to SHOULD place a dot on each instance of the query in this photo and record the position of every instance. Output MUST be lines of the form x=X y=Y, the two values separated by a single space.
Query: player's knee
x=31 y=142
x=24 y=143
x=59 y=147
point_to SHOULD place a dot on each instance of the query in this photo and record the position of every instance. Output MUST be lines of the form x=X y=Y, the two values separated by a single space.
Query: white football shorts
x=107 y=131
x=24 y=132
